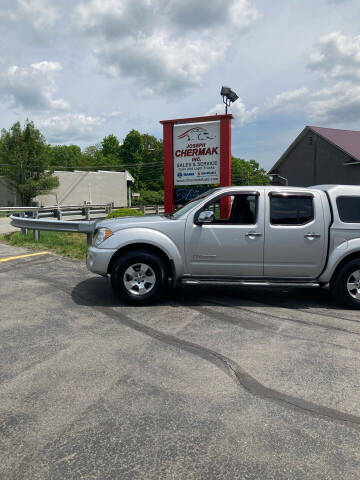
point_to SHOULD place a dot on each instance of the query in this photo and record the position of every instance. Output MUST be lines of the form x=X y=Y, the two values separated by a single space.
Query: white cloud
x=338 y=98
x=286 y=100
x=47 y=67
x=32 y=87
x=41 y=15
x=338 y=57
x=70 y=127
x=238 y=109
x=160 y=64
x=338 y=61
x=167 y=45
x=338 y=103
x=115 y=113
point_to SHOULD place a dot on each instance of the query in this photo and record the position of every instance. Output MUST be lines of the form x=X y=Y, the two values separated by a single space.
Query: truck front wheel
x=139 y=277
x=345 y=284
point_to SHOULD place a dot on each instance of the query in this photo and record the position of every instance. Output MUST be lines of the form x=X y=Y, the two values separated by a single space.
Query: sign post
x=197 y=151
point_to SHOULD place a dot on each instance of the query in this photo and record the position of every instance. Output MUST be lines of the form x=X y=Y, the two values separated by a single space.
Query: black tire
x=338 y=284
x=133 y=258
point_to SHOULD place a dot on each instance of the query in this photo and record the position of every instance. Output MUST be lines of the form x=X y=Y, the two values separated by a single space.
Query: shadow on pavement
x=97 y=291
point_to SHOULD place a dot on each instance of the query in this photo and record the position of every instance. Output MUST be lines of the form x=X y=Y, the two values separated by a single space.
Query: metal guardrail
x=37 y=225
x=58 y=211
x=53 y=225
x=151 y=209
x=85 y=210
x=55 y=207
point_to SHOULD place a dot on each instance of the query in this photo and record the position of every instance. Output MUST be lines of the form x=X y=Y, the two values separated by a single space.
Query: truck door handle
x=312 y=235
x=253 y=234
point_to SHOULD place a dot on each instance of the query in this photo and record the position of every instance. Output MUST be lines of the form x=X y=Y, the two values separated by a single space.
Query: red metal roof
x=347 y=140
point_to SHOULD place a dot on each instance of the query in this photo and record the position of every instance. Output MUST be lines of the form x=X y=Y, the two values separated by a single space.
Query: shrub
x=149 y=197
x=123 y=212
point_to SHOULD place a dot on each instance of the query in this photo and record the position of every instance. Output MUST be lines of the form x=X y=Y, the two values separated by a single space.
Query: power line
x=88 y=166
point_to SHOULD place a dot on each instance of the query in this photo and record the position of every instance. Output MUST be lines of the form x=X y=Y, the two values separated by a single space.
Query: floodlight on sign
x=225 y=91
x=229 y=96
x=232 y=96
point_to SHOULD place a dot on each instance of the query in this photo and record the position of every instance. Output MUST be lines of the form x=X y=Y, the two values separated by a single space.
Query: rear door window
x=349 y=209
x=291 y=210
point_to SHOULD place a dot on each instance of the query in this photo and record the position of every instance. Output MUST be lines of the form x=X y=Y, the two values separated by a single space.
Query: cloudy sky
x=84 y=69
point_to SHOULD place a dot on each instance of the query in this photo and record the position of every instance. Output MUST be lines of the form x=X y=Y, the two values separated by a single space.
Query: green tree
x=150 y=197
x=25 y=153
x=110 y=146
x=131 y=154
x=92 y=158
x=247 y=172
x=151 y=173
x=111 y=152
x=64 y=156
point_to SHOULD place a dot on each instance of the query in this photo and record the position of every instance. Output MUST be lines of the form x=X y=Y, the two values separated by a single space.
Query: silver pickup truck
x=237 y=235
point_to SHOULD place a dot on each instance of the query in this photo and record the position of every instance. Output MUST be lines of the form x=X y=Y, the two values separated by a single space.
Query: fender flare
x=346 y=249
x=126 y=237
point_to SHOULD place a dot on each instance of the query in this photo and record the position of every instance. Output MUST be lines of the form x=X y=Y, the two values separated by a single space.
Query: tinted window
x=242 y=209
x=349 y=209
x=291 y=210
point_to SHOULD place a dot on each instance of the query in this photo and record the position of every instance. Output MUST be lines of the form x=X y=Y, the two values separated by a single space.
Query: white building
x=79 y=187
x=8 y=198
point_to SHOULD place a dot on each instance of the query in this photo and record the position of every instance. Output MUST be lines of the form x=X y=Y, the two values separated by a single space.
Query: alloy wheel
x=353 y=285
x=139 y=279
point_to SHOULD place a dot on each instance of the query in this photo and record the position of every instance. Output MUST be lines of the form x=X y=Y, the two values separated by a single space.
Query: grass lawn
x=71 y=245
x=123 y=212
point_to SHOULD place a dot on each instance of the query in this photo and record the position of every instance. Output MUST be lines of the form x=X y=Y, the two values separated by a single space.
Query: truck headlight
x=100 y=235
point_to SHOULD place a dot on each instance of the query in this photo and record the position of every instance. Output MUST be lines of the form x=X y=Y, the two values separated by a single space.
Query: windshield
x=192 y=203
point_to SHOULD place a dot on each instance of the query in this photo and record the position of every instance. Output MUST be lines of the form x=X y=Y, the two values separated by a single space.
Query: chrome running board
x=252 y=283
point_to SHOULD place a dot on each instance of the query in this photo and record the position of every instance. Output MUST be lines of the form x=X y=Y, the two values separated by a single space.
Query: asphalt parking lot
x=215 y=383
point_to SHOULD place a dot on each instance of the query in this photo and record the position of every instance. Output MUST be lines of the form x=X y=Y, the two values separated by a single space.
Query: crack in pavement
x=230 y=367
x=320 y=314
x=253 y=325
x=278 y=317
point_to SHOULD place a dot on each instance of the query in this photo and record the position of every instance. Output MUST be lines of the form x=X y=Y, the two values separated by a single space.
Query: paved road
x=210 y=384
x=5 y=226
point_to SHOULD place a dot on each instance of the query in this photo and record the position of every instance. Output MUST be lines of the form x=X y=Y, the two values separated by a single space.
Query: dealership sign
x=196 y=153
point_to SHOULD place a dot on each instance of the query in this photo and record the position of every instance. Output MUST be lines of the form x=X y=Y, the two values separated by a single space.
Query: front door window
x=242 y=209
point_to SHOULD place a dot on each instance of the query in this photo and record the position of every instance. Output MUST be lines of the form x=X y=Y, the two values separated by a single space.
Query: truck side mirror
x=206 y=216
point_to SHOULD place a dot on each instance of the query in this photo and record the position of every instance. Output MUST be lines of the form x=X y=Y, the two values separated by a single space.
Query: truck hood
x=148 y=221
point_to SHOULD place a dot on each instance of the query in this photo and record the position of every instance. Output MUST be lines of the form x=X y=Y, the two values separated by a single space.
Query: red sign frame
x=225 y=154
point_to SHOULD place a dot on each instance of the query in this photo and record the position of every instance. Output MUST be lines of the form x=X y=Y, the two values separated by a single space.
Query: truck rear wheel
x=139 y=277
x=345 y=284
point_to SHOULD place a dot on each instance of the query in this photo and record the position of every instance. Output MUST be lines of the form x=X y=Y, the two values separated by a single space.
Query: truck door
x=295 y=235
x=230 y=246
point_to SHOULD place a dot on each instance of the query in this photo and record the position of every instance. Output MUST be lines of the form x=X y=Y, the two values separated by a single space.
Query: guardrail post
x=23 y=230
x=157 y=209
x=89 y=238
x=142 y=209
x=87 y=214
x=59 y=214
x=36 y=232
